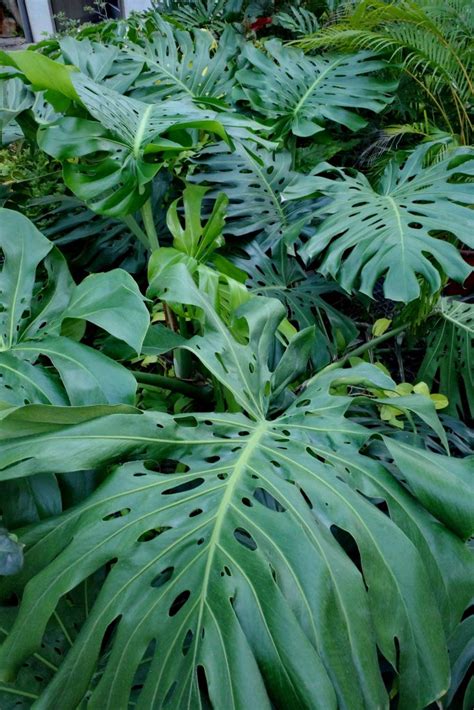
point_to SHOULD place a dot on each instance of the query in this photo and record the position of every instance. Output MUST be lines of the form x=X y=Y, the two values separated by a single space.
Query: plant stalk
x=173 y=384
x=359 y=351
x=149 y=224
x=136 y=230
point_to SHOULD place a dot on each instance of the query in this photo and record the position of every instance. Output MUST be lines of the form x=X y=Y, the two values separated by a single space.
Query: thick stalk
x=182 y=358
x=149 y=224
x=173 y=384
x=357 y=352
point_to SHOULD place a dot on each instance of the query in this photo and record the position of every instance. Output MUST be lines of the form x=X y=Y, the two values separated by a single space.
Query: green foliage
x=255 y=480
x=37 y=306
x=432 y=41
x=388 y=230
x=449 y=353
x=212 y=496
x=304 y=92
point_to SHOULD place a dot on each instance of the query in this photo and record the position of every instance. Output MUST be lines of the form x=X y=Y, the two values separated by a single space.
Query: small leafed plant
x=242 y=476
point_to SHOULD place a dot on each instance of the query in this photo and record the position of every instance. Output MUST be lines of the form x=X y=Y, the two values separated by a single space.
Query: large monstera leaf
x=253 y=179
x=107 y=162
x=449 y=357
x=395 y=229
x=182 y=65
x=302 y=93
x=102 y=63
x=253 y=566
x=38 y=300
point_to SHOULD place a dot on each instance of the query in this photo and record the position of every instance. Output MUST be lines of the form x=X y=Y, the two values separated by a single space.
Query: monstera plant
x=238 y=548
x=223 y=480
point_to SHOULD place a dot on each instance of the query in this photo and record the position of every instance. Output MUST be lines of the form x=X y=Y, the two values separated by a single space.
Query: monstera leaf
x=15 y=98
x=279 y=275
x=105 y=161
x=302 y=92
x=102 y=63
x=449 y=359
x=183 y=65
x=260 y=570
x=393 y=229
x=37 y=304
x=253 y=179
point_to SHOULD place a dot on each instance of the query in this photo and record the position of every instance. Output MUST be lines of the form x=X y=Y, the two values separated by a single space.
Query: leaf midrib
x=314 y=85
x=239 y=468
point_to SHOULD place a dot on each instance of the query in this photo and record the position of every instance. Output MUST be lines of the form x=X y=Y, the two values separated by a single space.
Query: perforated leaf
x=395 y=229
x=302 y=92
x=182 y=64
x=259 y=545
x=253 y=180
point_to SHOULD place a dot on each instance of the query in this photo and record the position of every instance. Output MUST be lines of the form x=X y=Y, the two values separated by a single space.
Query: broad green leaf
x=41 y=71
x=105 y=161
x=102 y=63
x=446 y=491
x=302 y=92
x=265 y=553
x=449 y=359
x=38 y=295
x=15 y=98
x=23 y=248
x=395 y=228
x=112 y=301
x=88 y=376
x=26 y=501
x=180 y=64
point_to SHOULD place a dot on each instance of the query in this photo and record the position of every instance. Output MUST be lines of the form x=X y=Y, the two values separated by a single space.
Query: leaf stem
x=149 y=224
x=366 y=346
x=173 y=384
x=358 y=351
x=136 y=230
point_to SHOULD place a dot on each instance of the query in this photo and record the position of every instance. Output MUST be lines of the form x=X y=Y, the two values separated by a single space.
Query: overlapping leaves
x=253 y=179
x=107 y=162
x=38 y=302
x=263 y=553
x=184 y=65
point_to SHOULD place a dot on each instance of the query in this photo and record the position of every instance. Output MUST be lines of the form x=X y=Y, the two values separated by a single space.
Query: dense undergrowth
x=236 y=372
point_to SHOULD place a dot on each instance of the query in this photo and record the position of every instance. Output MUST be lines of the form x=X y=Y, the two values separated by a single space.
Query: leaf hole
x=117 y=514
x=268 y=500
x=182 y=487
x=245 y=538
x=187 y=641
x=161 y=579
x=195 y=512
x=179 y=602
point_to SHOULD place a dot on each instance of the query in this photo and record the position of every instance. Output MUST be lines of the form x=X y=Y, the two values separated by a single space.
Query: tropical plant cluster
x=236 y=370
